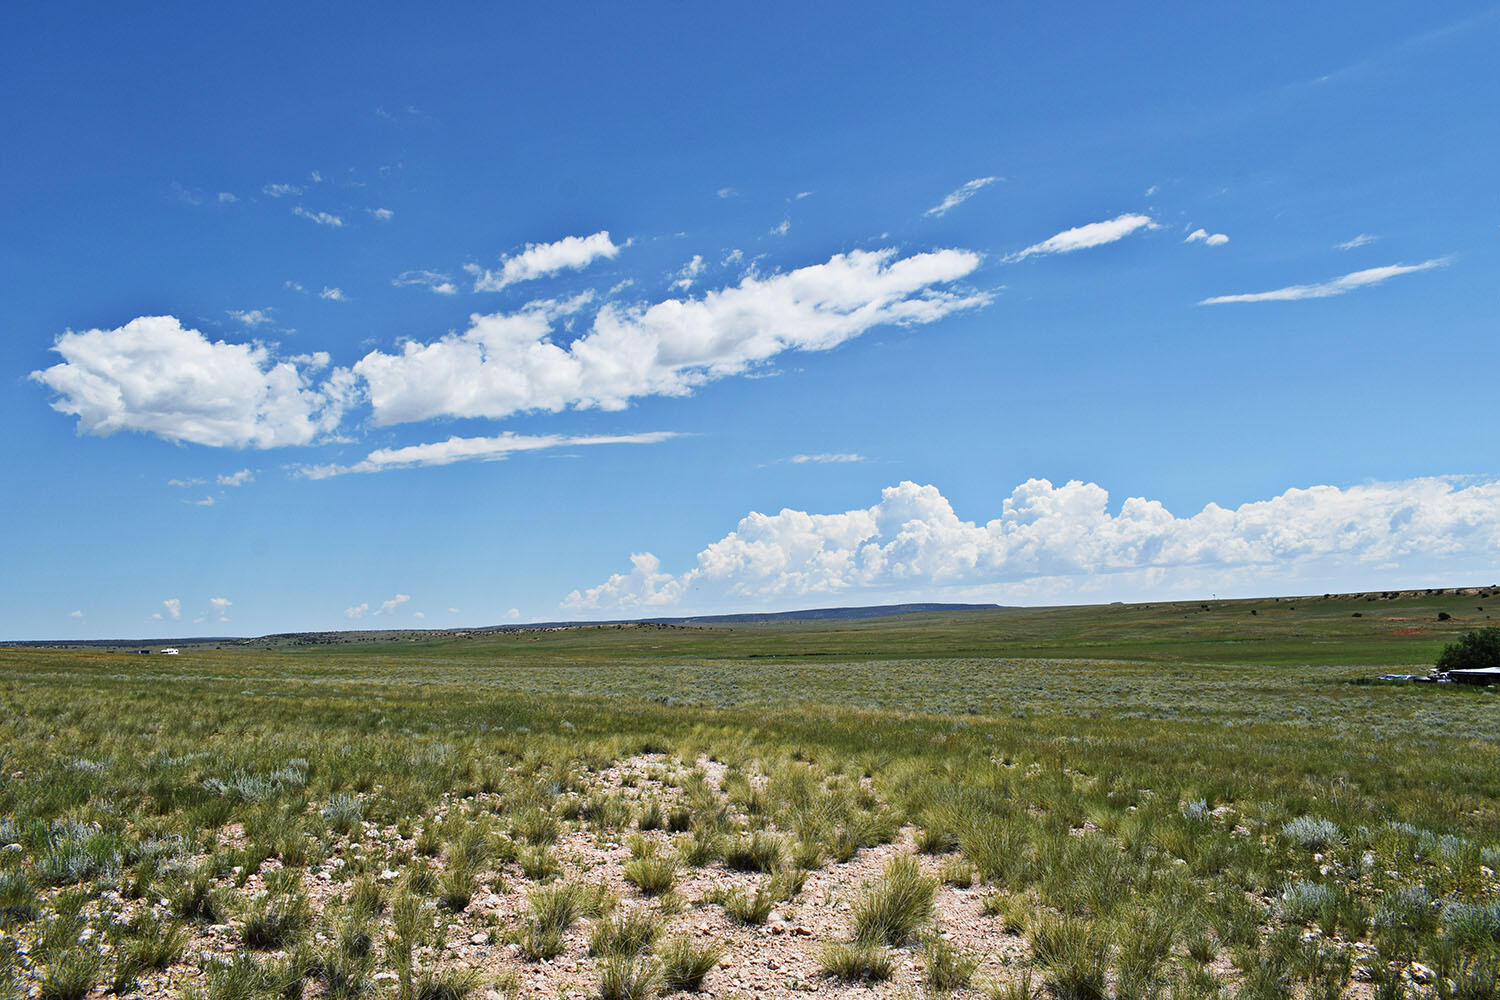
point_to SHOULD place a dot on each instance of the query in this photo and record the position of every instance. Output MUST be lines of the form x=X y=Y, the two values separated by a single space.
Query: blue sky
x=363 y=316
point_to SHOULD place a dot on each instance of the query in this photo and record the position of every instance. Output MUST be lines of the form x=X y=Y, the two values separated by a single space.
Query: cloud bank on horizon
x=1063 y=540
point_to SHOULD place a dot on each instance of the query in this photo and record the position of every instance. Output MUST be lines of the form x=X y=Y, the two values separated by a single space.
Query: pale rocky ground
x=780 y=958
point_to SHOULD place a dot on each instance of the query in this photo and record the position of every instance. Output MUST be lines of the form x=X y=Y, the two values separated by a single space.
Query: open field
x=1131 y=801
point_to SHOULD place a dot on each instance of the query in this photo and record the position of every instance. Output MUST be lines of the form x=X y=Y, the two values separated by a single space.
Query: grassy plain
x=1131 y=801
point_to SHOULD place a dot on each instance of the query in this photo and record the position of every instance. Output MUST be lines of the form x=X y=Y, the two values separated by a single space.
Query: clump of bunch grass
x=858 y=961
x=744 y=907
x=193 y=896
x=446 y=984
x=630 y=932
x=700 y=847
x=652 y=873
x=946 y=968
x=891 y=908
x=18 y=898
x=761 y=852
x=154 y=942
x=685 y=964
x=1019 y=988
x=278 y=916
x=1074 y=956
x=538 y=864
x=553 y=911
x=957 y=872
x=629 y=977
x=344 y=813
x=71 y=973
x=246 y=977
x=1015 y=912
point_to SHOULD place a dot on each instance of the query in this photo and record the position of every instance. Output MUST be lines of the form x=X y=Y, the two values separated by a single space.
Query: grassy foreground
x=1130 y=801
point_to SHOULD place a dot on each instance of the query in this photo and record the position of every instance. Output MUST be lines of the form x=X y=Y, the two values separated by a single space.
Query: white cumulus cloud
x=333 y=294
x=1094 y=234
x=237 y=478
x=508 y=363
x=251 y=317
x=384 y=608
x=963 y=194
x=689 y=273
x=220 y=608
x=383 y=214
x=173 y=607
x=154 y=376
x=1063 y=541
x=281 y=190
x=1338 y=286
x=321 y=218
x=474 y=449
x=1206 y=238
x=541 y=259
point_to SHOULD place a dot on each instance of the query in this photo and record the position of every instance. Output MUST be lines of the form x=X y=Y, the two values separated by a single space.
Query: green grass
x=858 y=961
x=686 y=964
x=1138 y=789
x=892 y=908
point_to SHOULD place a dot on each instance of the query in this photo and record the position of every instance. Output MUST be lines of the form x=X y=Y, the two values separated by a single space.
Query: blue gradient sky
x=1241 y=259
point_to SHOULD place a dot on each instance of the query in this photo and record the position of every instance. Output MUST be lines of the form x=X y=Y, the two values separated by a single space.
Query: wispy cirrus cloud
x=434 y=281
x=1362 y=240
x=827 y=458
x=961 y=195
x=473 y=449
x=1094 y=234
x=541 y=259
x=1327 y=289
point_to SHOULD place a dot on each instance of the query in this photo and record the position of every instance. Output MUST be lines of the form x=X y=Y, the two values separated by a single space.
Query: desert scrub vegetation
x=389 y=821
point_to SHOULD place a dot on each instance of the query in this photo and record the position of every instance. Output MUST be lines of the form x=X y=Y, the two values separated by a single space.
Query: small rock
x=1421 y=973
x=479 y=937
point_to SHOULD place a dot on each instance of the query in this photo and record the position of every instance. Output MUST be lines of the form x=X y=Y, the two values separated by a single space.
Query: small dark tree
x=1473 y=651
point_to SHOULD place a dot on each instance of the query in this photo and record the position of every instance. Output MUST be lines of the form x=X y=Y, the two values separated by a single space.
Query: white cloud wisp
x=1095 y=234
x=541 y=259
x=1338 y=286
x=960 y=196
x=1061 y=541
x=474 y=449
